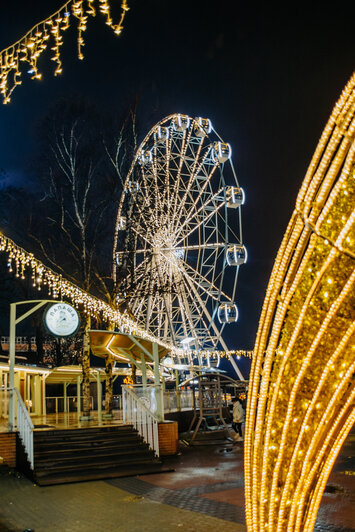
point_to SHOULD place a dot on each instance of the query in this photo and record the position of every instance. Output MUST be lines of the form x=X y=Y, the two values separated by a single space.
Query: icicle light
x=21 y=263
x=49 y=34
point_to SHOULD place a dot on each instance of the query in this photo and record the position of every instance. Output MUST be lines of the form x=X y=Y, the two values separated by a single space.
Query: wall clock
x=61 y=319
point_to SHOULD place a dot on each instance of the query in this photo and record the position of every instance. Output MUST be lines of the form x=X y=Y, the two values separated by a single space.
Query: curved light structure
x=301 y=394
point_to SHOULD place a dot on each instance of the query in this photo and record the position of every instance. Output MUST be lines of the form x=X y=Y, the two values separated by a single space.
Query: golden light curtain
x=301 y=392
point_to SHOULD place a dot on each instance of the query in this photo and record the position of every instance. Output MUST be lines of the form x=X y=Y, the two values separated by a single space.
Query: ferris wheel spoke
x=192 y=247
x=143 y=235
x=165 y=300
x=159 y=188
x=141 y=271
x=192 y=173
x=136 y=306
x=202 y=221
x=205 y=310
x=193 y=213
x=214 y=292
x=180 y=160
x=202 y=317
x=197 y=189
x=186 y=315
x=149 y=298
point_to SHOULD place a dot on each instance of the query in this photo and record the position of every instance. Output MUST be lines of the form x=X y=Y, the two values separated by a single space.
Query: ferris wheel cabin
x=122 y=223
x=133 y=187
x=202 y=126
x=181 y=122
x=222 y=152
x=235 y=197
x=227 y=313
x=162 y=133
x=145 y=157
x=236 y=255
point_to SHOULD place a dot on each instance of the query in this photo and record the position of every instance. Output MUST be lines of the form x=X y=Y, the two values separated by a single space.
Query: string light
x=49 y=32
x=20 y=261
x=215 y=353
x=301 y=394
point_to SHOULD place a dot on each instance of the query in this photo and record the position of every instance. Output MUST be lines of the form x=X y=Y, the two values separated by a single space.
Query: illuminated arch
x=301 y=394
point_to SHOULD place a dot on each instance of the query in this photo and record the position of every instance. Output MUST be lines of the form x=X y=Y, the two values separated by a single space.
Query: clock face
x=61 y=319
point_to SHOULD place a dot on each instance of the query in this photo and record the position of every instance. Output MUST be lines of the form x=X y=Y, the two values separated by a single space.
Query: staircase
x=75 y=455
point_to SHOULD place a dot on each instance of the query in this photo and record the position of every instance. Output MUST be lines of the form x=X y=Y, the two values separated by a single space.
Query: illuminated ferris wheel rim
x=168 y=250
x=161 y=123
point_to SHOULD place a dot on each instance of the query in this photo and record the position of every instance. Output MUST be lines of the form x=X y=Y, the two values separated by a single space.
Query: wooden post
x=108 y=387
x=37 y=395
x=86 y=370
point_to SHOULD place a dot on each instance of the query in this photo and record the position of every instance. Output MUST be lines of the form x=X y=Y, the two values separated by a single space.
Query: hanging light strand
x=20 y=262
x=49 y=32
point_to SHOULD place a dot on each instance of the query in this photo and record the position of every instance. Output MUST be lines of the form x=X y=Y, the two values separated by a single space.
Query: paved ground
x=94 y=507
x=205 y=493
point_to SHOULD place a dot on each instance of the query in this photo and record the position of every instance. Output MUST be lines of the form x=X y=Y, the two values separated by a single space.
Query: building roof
x=123 y=347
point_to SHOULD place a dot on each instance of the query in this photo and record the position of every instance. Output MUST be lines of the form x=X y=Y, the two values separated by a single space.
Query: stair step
x=79 y=434
x=98 y=474
x=103 y=466
x=88 y=449
x=86 y=442
x=74 y=455
x=103 y=429
x=90 y=459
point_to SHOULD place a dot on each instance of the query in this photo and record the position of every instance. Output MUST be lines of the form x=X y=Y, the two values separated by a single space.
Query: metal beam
x=138 y=344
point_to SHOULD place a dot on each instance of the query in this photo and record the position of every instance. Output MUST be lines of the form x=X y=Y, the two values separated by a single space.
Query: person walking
x=238 y=417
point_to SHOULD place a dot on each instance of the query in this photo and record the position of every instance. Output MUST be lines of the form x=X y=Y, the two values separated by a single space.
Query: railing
x=117 y=402
x=55 y=405
x=144 y=421
x=175 y=401
x=24 y=425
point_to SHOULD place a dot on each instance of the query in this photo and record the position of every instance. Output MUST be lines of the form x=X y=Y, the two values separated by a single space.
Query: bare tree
x=80 y=167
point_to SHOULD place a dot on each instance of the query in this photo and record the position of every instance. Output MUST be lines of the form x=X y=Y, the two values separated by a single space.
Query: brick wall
x=8 y=448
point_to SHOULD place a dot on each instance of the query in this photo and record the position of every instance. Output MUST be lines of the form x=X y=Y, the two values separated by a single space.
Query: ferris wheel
x=178 y=241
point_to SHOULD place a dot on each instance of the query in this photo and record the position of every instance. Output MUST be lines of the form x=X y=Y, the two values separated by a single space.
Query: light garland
x=190 y=353
x=301 y=393
x=20 y=262
x=50 y=32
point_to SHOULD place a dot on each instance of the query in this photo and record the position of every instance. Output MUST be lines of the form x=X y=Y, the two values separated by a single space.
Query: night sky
x=267 y=77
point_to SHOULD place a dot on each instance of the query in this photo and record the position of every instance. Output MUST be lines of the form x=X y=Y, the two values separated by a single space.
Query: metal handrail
x=24 y=426
x=143 y=420
x=66 y=405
